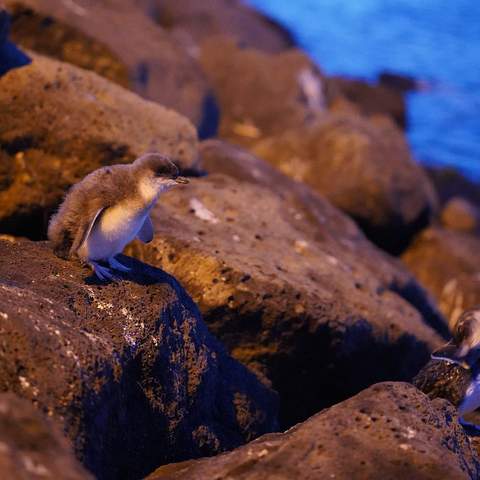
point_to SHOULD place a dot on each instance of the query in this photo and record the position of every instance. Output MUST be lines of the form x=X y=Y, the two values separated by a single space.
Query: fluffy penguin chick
x=108 y=209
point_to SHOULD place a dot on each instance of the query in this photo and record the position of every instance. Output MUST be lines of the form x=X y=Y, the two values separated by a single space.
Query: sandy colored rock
x=447 y=263
x=58 y=123
x=364 y=168
x=260 y=94
x=460 y=214
x=214 y=17
x=288 y=294
x=128 y=370
x=390 y=431
x=31 y=447
x=159 y=68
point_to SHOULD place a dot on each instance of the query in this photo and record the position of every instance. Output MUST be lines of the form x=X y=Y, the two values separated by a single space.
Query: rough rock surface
x=447 y=263
x=258 y=93
x=292 y=288
x=442 y=379
x=160 y=69
x=48 y=36
x=216 y=17
x=58 y=123
x=363 y=167
x=390 y=431
x=460 y=214
x=371 y=99
x=129 y=370
x=32 y=448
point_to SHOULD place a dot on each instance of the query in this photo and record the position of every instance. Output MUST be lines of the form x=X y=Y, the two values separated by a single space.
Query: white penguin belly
x=116 y=228
x=472 y=397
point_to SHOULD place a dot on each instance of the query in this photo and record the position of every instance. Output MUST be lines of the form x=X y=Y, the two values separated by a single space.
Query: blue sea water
x=436 y=41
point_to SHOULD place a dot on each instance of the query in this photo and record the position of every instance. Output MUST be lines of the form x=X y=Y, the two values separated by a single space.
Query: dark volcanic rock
x=48 y=36
x=58 y=123
x=363 y=167
x=389 y=432
x=32 y=448
x=216 y=17
x=260 y=94
x=450 y=183
x=128 y=369
x=371 y=99
x=441 y=379
x=292 y=288
x=447 y=263
x=160 y=69
x=10 y=55
x=460 y=214
x=400 y=82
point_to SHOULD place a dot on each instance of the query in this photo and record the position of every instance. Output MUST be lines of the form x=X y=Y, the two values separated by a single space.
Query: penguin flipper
x=84 y=231
x=145 y=234
x=450 y=353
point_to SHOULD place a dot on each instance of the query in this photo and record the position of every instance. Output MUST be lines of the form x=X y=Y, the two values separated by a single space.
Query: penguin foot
x=114 y=263
x=103 y=273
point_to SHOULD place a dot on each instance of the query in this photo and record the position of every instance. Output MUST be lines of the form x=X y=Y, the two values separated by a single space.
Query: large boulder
x=390 y=431
x=216 y=17
x=362 y=166
x=48 y=36
x=291 y=287
x=58 y=123
x=32 y=447
x=159 y=67
x=128 y=370
x=447 y=263
x=258 y=93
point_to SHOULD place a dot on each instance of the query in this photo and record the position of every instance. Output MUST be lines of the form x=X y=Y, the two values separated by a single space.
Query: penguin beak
x=181 y=180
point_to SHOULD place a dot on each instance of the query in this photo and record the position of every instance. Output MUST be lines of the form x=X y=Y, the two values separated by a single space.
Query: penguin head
x=156 y=173
x=464 y=348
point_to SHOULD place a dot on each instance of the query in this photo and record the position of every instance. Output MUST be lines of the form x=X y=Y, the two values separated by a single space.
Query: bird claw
x=103 y=273
x=114 y=263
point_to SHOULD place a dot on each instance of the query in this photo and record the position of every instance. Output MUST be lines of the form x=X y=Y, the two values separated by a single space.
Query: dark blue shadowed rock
x=129 y=369
x=10 y=55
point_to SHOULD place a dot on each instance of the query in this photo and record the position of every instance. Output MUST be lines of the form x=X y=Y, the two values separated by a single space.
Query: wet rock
x=446 y=262
x=364 y=168
x=128 y=370
x=291 y=295
x=159 y=68
x=371 y=99
x=216 y=17
x=58 y=123
x=31 y=447
x=10 y=55
x=48 y=36
x=460 y=214
x=260 y=94
x=389 y=431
